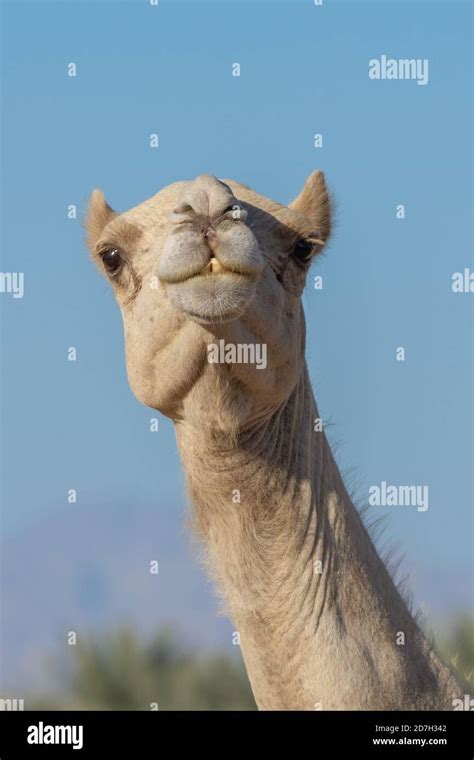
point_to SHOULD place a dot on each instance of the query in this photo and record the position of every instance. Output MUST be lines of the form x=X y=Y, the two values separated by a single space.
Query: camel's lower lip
x=206 y=319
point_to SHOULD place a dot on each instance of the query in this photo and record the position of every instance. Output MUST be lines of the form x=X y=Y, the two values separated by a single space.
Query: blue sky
x=387 y=282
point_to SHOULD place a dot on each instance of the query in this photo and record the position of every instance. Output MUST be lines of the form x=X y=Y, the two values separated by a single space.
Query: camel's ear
x=98 y=215
x=314 y=203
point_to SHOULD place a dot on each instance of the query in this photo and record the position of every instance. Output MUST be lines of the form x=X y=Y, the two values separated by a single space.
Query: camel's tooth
x=216 y=265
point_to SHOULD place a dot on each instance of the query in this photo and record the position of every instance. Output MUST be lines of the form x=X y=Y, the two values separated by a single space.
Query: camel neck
x=315 y=608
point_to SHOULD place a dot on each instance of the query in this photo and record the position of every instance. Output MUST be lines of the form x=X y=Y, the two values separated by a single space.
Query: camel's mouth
x=210 y=275
x=200 y=264
x=213 y=295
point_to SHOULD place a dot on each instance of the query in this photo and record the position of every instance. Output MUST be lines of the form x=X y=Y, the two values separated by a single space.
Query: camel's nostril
x=183 y=208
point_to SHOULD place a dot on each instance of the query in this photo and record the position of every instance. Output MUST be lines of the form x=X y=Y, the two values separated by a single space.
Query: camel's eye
x=112 y=259
x=302 y=250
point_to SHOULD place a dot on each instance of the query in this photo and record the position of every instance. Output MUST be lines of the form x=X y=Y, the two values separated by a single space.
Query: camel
x=208 y=263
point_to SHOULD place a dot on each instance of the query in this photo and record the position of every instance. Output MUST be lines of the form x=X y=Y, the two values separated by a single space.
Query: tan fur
x=319 y=617
x=99 y=215
x=313 y=203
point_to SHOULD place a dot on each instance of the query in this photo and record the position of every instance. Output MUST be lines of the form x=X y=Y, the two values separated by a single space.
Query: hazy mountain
x=84 y=569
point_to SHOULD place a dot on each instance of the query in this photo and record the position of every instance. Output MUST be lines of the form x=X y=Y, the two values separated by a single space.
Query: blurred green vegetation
x=118 y=671
x=457 y=649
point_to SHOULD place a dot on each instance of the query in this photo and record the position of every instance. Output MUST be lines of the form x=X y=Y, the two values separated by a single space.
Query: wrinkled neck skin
x=318 y=615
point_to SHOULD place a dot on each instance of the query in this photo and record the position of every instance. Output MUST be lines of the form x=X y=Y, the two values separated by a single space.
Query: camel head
x=211 y=263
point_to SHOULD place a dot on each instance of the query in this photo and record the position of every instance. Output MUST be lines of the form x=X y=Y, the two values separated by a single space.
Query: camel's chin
x=212 y=298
